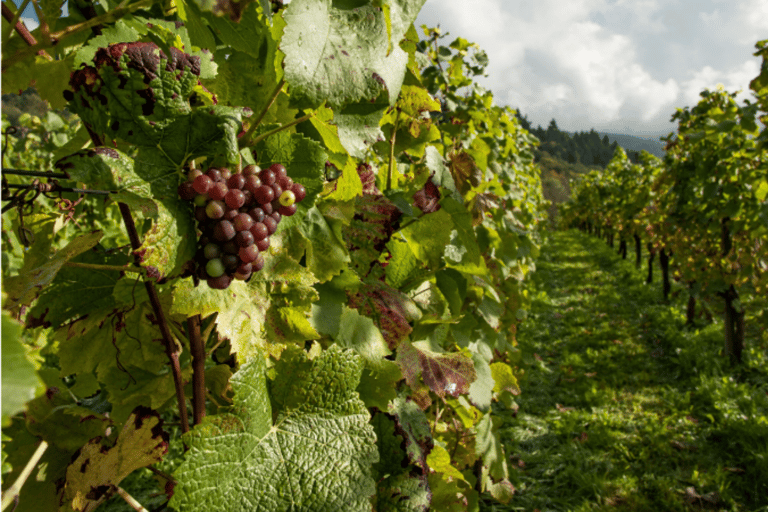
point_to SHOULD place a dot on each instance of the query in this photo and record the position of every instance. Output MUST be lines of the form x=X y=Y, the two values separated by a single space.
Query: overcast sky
x=619 y=66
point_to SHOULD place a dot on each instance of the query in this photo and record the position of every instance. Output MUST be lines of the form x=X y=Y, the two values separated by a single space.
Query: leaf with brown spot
x=96 y=471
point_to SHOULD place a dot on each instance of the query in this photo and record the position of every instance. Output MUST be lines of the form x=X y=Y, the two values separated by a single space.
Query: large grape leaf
x=77 y=292
x=96 y=471
x=392 y=309
x=20 y=379
x=339 y=53
x=22 y=289
x=308 y=448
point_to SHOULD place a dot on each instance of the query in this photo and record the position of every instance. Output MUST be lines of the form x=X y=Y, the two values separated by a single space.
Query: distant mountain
x=634 y=143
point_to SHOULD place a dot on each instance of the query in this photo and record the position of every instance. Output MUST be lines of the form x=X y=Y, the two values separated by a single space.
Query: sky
x=618 y=66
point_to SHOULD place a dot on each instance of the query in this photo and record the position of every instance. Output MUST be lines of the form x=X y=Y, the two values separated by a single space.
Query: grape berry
x=236 y=213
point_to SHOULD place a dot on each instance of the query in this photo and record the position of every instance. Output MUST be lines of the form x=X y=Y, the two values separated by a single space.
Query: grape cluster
x=236 y=214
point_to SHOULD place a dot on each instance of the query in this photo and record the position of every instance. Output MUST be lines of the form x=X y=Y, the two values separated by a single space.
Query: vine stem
x=94 y=266
x=257 y=122
x=21 y=29
x=117 y=13
x=170 y=347
x=131 y=501
x=197 y=349
x=12 y=493
x=391 y=155
x=281 y=128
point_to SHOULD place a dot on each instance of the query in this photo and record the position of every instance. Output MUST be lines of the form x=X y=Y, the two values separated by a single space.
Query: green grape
x=214 y=267
x=287 y=198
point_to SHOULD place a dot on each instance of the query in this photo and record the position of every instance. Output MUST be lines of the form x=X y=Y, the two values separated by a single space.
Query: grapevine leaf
x=435 y=162
x=309 y=448
x=449 y=496
x=392 y=310
x=489 y=447
x=23 y=289
x=449 y=373
x=439 y=461
x=40 y=492
x=96 y=472
x=326 y=252
x=470 y=259
x=404 y=493
x=21 y=76
x=56 y=417
x=481 y=390
x=453 y=286
x=402 y=263
x=413 y=426
x=20 y=380
x=379 y=386
x=400 y=490
x=348 y=186
x=150 y=192
x=358 y=125
x=338 y=53
x=76 y=292
x=428 y=237
x=360 y=334
x=504 y=379
x=241 y=312
x=120 y=31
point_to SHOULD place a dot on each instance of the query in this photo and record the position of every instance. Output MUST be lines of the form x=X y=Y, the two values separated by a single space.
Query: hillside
x=651 y=144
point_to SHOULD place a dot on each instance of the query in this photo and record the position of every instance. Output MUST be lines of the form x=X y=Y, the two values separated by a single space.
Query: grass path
x=622 y=407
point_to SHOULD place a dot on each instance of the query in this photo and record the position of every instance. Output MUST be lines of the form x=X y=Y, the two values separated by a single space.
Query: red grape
x=287 y=211
x=271 y=225
x=202 y=184
x=259 y=231
x=243 y=221
x=268 y=177
x=250 y=170
x=299 y=191
x=244 y=238
x=264 y=194
x=218 y=191
x=236 y=181
x=263 y=245
x=187 y=191
x=214 y=174
x=220 y=283
x=224 y=231
x=234 y=198
x=248 y=254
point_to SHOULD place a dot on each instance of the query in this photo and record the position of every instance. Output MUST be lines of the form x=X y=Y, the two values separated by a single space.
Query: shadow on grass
x=622 y=406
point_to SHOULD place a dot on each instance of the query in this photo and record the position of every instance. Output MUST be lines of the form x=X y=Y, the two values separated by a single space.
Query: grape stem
x=12 y=493
x=257 y=122
x=154 y=299
x=391 y=166
x=94 y=266
x=197 y=349
x=281 y=128
x=21 y=29
x=131 y=501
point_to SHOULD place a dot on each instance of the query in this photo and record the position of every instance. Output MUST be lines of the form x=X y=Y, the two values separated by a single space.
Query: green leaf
x=453 y=286
x=343 y=57
x=413 y=426
x=481 y=390
x=428 y=237
x=23 y=289
x=402 y=264
x=150 y=192
x=489 y=447
x=326 y=251
x=97 y=471
x=242 y=309
x=49 y=77
x=20 y=380
x=378 y=387
x=358 y=125
x=439 y=461
x=360 y=334
x=308 y=448
x=348 y=186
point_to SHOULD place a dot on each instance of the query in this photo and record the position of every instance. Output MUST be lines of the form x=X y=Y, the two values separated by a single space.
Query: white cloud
x=605 y=63
x=737 y=78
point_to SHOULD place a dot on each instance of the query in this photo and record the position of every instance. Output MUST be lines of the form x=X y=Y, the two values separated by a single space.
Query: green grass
x=623 y=407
